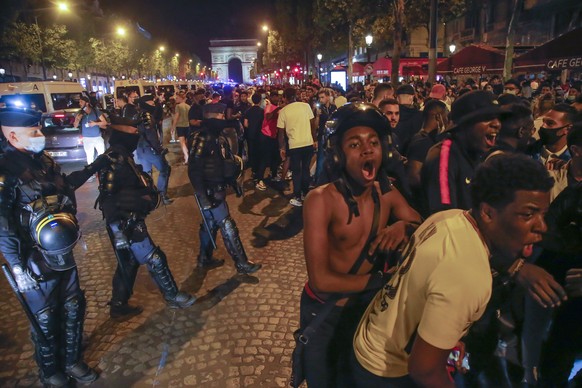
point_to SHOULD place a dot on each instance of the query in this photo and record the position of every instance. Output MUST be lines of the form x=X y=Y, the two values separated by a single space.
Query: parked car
x=63 y=141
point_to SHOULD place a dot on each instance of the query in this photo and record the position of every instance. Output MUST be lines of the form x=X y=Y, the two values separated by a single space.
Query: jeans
x=300 y=160
x=90 y=144
x=148 y=159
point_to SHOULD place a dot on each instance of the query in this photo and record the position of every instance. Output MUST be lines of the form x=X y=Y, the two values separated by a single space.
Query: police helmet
x=56 y=235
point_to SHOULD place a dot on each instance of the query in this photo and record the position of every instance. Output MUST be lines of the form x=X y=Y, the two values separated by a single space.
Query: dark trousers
x=137 y=254
x=268 y=156
x=300 y=160
x=55 y=287
x=148 y=159
x=254 y=155
x=359 y=377
x=213 y=216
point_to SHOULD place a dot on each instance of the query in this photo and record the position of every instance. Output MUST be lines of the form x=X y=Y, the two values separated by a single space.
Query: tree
x=21 y=43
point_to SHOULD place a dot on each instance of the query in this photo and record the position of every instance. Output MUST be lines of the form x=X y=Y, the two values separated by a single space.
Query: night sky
x=188 y=25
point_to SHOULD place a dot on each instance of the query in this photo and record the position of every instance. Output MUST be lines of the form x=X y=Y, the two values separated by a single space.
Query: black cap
x=18 y=117
x=405 y=89
x=474 y=107
x=357 y=114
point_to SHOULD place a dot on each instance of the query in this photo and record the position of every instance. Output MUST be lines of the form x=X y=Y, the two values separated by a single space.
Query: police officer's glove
x=205 y=202
x=24 y=279
x=102 y=161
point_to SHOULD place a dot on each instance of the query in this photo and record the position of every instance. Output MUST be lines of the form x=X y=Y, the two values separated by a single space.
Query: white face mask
x=36 y=144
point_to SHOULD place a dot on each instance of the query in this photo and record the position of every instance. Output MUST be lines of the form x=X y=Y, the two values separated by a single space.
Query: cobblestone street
x=237 y=334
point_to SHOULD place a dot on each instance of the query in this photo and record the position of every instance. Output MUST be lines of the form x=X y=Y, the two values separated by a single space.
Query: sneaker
x=261 y=186
x=296 y=202
x=289 y=176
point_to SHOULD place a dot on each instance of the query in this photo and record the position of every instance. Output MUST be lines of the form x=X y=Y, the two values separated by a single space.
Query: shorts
x=183 y=131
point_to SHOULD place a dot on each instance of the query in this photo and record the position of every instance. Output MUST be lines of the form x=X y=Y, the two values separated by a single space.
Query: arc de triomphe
x=233 y=58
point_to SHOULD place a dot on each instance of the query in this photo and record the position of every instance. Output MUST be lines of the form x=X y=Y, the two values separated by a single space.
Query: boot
x=74 y=318
x=158 y=268
x=205 y=259
x=46 y=354
x=123 y=310
x=59 y=379
x=122 y=286
x=235 y=248
x=82 y=373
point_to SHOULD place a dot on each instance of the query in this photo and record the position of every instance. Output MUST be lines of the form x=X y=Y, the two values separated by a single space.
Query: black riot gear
x=38 y=231
x=211 y=168
x=126 y=196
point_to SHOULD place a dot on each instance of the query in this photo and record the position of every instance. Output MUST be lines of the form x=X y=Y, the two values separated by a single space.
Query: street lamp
x=120 y=31
x=265 y=28
x=162 y=48
x=70 y=74
x=259 y=44
x=54 y=77
x=452 y=48
x=369 y=39
x=63 y=7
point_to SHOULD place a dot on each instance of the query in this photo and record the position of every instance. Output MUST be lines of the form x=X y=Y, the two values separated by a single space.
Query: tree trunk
x=509 y=43
x=433 y=31
x=398 y=30
x=350 y=55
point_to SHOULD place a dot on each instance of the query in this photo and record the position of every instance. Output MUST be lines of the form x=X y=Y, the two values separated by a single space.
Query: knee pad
x=157 y=258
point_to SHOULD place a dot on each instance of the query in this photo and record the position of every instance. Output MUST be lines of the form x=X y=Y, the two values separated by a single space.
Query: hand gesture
x=540 y=285
x=389 y=238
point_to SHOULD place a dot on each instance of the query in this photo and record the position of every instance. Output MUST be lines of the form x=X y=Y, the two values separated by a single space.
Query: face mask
x=36 y=144
x=550 y=136
x=510 y=91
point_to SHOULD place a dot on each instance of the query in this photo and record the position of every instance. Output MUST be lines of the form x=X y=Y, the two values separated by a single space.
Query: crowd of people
x=439 y=221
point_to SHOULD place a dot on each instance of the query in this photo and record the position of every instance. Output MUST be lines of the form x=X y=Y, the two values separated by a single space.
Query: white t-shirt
x=442 y=286
x=295 y=119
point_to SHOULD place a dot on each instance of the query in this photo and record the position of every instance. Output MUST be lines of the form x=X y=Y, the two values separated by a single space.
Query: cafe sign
x=565 y=63
x=469 y=70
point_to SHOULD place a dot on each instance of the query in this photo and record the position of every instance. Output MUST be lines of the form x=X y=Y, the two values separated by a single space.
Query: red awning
x=564 y=52
x=473 y=59
x=358 y=69
x=382 y=67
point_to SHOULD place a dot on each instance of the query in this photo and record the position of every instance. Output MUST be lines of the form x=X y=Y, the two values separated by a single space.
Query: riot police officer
x=38 y=231
x=126 y=196
x=150 y=152
x=211 y=168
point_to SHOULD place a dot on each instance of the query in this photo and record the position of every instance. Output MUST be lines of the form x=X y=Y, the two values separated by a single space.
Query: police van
x=44 y=96
x=139 y=86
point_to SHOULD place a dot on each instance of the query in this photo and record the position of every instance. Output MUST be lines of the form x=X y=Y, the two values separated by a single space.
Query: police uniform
x=126 y=196
x=38 y=231
x=211 y=168
x=150 y=152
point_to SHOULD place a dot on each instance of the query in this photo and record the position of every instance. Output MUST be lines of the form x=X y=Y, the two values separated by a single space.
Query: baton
x=205 y=221
x=120 y=262
x=31 y=318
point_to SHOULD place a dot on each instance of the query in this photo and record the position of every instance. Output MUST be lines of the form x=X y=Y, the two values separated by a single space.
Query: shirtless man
x=338 y=218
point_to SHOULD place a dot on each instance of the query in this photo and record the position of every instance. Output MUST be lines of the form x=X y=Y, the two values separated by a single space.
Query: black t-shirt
x=195 y=113
x=445 y=181
x=255 y=117
x=420 y=144
x=410 y=123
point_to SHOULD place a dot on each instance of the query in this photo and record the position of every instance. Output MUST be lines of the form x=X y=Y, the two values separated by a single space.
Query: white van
x=139 y=86
x=45 y=96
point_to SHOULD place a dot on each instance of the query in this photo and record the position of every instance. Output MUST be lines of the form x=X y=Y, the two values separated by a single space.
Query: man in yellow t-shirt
x=443 y=281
